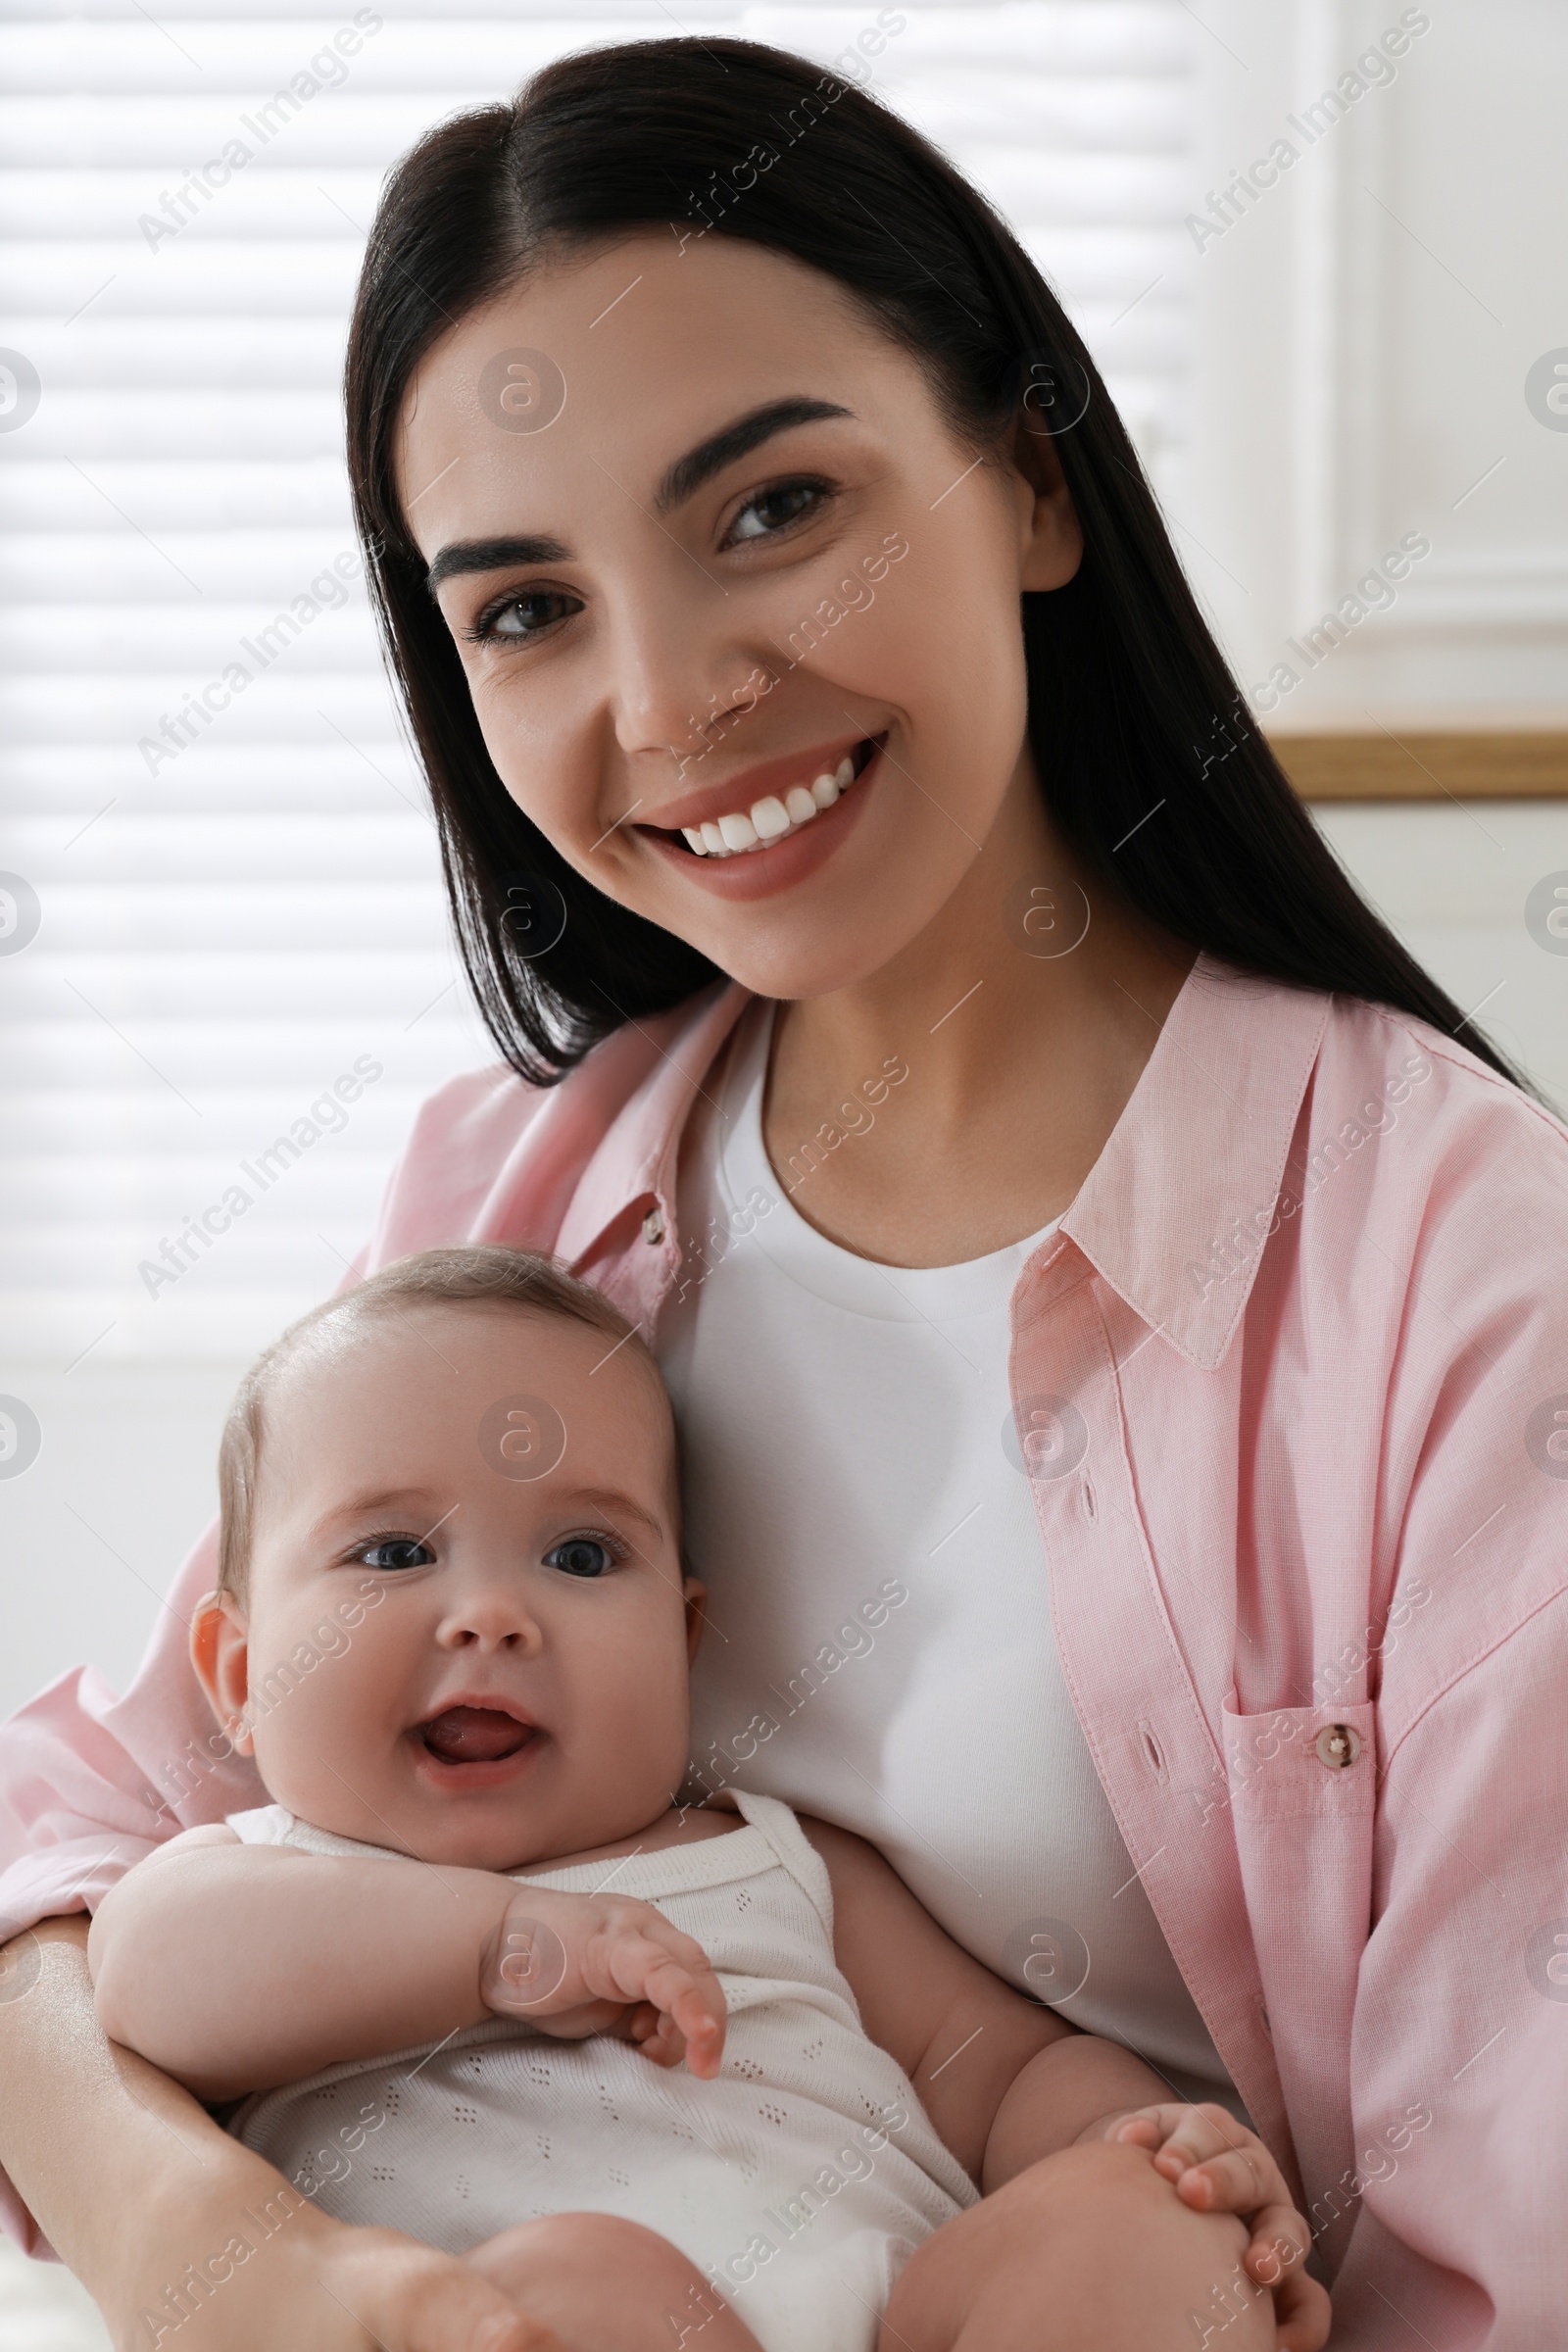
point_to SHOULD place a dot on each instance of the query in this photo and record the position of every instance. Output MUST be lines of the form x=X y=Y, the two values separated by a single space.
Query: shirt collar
x=1175 y=1211
x=637 y=1155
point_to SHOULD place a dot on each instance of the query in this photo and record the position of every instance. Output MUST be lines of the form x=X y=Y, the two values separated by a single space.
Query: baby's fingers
x=1207 y=2144
x=1279 y=2246
x=1232 y=2182
x=656 y=2035
x=1302 y=2312
x=692 y=2001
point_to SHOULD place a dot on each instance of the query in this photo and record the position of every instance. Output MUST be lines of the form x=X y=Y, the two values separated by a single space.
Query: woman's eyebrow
x=678 y=483
x=490 y=554
x=737 y=440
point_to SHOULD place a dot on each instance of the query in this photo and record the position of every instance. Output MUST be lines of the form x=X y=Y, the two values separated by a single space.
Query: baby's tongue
x=475 y=1736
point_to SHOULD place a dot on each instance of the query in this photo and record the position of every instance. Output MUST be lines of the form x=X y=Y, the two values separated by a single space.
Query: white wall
x=43 y=2309
x=1364 y=333
x=1453 y=882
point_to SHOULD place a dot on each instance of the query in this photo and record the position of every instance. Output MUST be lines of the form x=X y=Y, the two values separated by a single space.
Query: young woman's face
x=701 y=538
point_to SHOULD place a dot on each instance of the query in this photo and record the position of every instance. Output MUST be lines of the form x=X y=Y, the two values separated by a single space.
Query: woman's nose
x=674 y=673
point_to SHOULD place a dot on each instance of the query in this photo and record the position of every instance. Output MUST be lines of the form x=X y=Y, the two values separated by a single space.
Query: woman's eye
x=775 y=509
x=523 y=616
x=580 y=1556
x=391 y=1552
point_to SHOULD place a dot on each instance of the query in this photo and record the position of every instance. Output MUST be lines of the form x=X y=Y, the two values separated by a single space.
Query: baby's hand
x=1217 y=2165
x=581 y=1964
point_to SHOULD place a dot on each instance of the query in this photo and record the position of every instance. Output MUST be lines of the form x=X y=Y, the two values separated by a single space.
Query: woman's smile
x=757 y=845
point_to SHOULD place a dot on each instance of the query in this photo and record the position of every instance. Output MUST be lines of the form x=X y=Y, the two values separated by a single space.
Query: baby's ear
x=696 y=1606
x=219 y=1651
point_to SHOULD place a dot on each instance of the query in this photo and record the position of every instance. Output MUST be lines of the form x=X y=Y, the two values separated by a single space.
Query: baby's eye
x=581 y=1555
x=397 y=1552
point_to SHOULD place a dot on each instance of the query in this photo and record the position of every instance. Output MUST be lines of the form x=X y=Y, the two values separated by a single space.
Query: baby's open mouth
x=473 y=1736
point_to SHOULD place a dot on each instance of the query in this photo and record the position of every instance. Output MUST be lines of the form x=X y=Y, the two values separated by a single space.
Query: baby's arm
x=233 y=1966
x=1026 y=2083
x=1007 y=2084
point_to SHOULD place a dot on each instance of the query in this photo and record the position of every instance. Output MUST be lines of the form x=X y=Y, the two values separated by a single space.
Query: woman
x=1109 y=1287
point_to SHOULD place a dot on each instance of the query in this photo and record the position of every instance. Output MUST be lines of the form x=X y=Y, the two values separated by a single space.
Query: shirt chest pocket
x=1301 y=1761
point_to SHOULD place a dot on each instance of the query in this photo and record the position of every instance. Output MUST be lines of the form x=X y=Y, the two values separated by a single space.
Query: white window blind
x=240 y=976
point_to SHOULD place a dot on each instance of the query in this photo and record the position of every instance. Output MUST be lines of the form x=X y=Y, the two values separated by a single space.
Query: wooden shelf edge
x=1480 y=766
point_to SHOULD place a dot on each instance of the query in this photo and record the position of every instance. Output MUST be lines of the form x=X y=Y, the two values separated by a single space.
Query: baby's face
x=454 y=1643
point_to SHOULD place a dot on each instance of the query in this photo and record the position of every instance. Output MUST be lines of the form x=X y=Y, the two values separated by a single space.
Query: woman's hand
x=581 y=1964
x=318 y=2286
x=1217 y=2166
x=185 y=2238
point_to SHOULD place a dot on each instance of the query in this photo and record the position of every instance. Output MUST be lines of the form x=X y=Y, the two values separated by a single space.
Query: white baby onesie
x=800 y=2181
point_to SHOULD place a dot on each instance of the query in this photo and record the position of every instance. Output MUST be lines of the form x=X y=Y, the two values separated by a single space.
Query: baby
x=670 y=2077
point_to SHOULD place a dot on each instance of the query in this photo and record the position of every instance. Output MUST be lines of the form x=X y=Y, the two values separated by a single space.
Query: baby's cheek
x=316 y=1709
x=633 y=1717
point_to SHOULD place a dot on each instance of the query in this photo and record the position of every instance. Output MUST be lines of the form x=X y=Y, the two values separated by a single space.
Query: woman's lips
x=778 y=864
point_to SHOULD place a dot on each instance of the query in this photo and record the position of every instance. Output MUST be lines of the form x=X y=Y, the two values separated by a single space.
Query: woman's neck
x=1023 y=1017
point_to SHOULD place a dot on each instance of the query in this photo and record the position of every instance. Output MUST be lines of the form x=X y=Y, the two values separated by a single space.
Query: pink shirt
x=1293 y=1379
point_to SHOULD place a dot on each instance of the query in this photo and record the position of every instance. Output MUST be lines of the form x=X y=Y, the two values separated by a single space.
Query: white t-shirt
x=879 y=1647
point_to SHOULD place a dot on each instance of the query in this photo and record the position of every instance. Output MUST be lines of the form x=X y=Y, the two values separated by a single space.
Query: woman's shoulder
x=493 y=1153
x=1447 y=1257
x=1432 y=1195
x=1380 y=1071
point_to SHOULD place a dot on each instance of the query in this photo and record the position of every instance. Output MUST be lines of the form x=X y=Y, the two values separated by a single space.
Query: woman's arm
x=233 y=1966
x=171 y=2223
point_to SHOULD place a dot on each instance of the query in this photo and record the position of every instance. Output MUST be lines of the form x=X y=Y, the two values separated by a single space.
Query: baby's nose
x=491 y=1618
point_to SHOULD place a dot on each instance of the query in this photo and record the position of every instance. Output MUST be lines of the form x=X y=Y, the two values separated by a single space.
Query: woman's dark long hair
x=1131 y=706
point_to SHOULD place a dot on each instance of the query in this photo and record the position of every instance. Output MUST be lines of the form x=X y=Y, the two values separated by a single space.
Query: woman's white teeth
x=769 y=818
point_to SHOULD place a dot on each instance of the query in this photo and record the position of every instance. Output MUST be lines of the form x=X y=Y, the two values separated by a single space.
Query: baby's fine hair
x=481 y=1274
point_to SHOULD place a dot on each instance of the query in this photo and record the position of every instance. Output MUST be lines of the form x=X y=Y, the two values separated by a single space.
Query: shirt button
x=653 y=1225
x=1337 y=1745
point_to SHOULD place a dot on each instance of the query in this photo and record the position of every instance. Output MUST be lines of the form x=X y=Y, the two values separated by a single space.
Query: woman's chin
x=841 y=938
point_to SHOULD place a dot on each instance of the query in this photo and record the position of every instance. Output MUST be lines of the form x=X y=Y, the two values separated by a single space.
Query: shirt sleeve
x=1458 y=2049
x=91 y=1782
x=1460 y=2031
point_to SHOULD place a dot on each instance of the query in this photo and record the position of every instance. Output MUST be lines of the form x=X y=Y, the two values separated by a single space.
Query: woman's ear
x=1052 y=540
x=696 y=1606
x=219 y=1651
